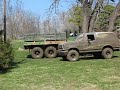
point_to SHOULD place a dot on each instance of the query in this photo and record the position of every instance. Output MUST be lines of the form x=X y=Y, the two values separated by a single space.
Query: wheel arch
x=74 y=49
x=54 y=45
x=108 y=46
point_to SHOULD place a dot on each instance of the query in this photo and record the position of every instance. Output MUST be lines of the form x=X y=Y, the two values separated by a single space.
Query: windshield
x=80 y=37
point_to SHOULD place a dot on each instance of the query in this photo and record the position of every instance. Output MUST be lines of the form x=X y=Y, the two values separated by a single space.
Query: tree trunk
x=93 y=18
x=92 y=22
x=85 y=24
x=95 y=14
x=86 y=13
x=89 y=15
x=113 y=18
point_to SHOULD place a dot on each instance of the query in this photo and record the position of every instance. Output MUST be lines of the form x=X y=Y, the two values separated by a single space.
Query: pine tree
x=6 y=55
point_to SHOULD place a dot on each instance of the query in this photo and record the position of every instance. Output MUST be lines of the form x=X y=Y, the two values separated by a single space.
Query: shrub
x=6 y=55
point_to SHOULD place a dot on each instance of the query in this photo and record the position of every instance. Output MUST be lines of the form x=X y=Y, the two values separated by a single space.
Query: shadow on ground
x=14 y=65
x=86 y=58
x=29 y=56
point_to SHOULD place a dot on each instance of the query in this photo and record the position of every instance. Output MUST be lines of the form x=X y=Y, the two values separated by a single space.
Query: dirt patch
x=112 y=79
x=90 y=87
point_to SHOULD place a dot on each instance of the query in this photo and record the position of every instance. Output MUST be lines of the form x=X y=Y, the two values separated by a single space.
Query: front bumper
x=62 y=53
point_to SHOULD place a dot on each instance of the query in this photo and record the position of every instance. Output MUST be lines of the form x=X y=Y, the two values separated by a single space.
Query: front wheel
x=37 y=52
x=107 y=53
x=72 y=55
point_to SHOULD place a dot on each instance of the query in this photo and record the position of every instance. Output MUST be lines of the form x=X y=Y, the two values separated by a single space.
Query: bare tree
x=20 y=22
x=91 y=10
x=113 y=17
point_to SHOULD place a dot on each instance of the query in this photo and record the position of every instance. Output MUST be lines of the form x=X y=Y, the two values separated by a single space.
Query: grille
x=60 y=46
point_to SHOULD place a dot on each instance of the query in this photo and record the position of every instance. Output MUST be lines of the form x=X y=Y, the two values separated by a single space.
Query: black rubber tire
x=37 y=53
x=107 y=53
x=51 y=52
x=72 y=55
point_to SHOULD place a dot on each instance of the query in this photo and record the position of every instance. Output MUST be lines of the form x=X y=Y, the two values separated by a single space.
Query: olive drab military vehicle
x=41 y=45
x=100 y=44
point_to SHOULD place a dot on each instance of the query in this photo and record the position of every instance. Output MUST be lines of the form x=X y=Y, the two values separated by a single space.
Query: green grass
x=56 y=74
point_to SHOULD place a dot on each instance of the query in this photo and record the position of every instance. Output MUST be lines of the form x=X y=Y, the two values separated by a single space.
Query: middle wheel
x=51 y=52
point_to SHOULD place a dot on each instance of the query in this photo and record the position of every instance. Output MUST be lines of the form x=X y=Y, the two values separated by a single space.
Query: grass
x=56 y=74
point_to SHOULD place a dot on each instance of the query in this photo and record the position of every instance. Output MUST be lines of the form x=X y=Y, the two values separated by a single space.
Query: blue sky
x=40 y=7
x=37 y=6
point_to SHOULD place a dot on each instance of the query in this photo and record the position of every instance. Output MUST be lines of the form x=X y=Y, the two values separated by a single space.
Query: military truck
x=41 y=45
x=99 y=44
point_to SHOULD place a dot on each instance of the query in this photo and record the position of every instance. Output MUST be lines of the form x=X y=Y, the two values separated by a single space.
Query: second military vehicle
x=41 y=45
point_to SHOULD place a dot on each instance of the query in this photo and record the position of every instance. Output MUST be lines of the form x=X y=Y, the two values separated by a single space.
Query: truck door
x=91 y=42
x=82 y=43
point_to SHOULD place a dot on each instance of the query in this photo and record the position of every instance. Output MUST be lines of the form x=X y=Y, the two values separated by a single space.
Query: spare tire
x=50 y=52
x=37 y=53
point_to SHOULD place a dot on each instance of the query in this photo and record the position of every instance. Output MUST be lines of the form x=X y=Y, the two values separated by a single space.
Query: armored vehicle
x=41 y=45
x=99 y=44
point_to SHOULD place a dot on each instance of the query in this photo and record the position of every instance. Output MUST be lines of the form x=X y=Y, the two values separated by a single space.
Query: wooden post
x=5 y=20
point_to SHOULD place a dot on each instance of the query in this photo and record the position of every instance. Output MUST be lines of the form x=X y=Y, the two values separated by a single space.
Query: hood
x=70 y=43
x=73 y=44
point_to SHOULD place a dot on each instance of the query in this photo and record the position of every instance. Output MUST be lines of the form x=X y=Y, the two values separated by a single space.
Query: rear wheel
x=107 y=53
x=37 y=52
x=51 y=52
x=73 y=55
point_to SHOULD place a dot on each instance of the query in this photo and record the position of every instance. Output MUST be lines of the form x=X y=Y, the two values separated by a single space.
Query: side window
x=91 y=37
